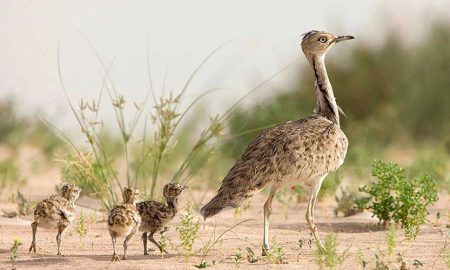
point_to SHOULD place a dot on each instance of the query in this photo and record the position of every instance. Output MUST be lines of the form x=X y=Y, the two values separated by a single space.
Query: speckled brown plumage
x=124 y=220
x=155 y=215
x=305 y=150
x=55 y=212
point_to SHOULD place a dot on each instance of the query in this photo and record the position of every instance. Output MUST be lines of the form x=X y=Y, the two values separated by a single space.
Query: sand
x=356 y=234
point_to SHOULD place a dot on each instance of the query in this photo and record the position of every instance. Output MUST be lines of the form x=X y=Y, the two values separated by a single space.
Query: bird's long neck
x=326 y=102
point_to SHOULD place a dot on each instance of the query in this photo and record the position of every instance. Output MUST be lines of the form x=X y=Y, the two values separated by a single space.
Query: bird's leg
x=61 y=227
x=313 y=192
x=267 y=213
x=34 y=226
x=144 y=239
x=150 y=237
x=115 y=258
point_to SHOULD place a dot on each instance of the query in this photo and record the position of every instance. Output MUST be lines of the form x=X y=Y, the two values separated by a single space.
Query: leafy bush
x=398 y=198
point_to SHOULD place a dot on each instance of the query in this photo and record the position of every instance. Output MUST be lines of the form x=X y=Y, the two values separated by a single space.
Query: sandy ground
x=355 y=234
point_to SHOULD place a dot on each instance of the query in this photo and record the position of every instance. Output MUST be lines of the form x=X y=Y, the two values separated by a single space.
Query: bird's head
x=173 y=190
x=130 y=195
x=317 y=43
x=71 y=192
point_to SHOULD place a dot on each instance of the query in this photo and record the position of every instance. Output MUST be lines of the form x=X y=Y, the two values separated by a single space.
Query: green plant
x=10 y=176
x=391 y=244
x=164 y=241
x=237 y=257
x=346 y=204
x=215 y=240
x=329 y=256
x=277 y=253
x=188 y=231
x=395 y=197
x=239 y=210
x=14 y=249
x=361 y=259
x=380 y=264
x=24 y=206
x=284 y=196
x=81 y=227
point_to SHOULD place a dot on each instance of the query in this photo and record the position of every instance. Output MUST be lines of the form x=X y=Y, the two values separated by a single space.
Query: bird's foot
x=115 y=258
x=124 y=258
x=32 y=248
x=265 y=250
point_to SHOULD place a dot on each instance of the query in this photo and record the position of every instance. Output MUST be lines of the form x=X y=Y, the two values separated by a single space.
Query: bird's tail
x=225 y=199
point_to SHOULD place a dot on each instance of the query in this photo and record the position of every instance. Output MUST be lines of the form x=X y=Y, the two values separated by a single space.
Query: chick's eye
x=323 y=39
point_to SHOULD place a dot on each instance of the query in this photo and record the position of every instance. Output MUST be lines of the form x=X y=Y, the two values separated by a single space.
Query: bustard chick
x=156 y=215
x=124 y=220
x=304 y=150
x=55 y=212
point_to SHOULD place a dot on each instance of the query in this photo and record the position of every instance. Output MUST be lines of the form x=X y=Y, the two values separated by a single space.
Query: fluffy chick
x=156 y=215
x=55 y=212
x=124 y=220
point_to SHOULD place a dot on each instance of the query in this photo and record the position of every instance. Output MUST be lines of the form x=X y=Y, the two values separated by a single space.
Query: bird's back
x=154 y=215
x=52 y=210
x=296 y=150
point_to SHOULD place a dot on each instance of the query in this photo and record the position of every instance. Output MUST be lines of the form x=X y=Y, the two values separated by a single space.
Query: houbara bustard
x=305 y=150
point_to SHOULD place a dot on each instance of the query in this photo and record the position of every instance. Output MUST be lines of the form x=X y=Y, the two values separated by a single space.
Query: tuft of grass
x=398 y=198
x=277 y=253
x=329 y=256
x=217 y=240
x=188 y=231
x=237 y=257
x=361 y=260
x=14 y=252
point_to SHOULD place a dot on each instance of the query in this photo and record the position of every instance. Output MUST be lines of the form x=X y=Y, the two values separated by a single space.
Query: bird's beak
x=342 y=38
x=185 y=187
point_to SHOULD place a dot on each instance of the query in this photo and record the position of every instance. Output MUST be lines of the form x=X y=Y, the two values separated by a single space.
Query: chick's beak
x=342 y=38
x=185 y=187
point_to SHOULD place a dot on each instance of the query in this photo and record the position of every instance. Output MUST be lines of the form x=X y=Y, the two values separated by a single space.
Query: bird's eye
x=322 y=39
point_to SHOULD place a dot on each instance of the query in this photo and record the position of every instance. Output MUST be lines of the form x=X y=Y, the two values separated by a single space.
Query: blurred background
x=392 y=82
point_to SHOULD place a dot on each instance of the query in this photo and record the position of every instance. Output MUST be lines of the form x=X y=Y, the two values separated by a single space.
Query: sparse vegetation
x=346 y=204
x=329 y=256
x=398 y=198
x=10 y=176
x=277 y=253
x=188 y=230
x=14 y=251
x=81 y=227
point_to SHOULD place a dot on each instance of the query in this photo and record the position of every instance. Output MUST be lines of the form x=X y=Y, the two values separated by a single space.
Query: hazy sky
x=181 y=34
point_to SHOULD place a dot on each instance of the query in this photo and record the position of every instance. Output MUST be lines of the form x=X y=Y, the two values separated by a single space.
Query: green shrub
x=398 y=198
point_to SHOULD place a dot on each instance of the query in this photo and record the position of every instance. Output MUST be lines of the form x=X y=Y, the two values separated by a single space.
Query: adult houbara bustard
x=305 y=150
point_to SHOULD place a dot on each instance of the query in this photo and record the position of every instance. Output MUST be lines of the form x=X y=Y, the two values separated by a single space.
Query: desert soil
x=356 y=234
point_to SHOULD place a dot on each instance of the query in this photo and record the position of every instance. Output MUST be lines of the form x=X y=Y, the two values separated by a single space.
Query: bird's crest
x=307 y=34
